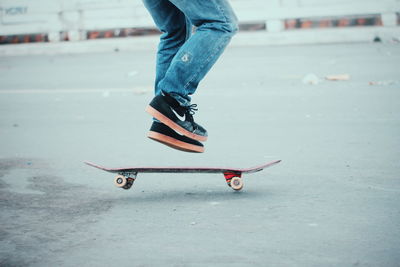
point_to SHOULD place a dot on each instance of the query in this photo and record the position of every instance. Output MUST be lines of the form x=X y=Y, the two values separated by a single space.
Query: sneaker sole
x=171 y=124
x=176 y=144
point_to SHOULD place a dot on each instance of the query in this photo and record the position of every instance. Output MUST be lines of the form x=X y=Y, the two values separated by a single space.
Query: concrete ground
x=333 y=201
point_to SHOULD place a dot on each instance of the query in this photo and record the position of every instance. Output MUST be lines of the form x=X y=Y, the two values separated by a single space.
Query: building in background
x=24 y=21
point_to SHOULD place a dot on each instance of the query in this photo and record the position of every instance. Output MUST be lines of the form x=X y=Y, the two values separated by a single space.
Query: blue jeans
x=183 y=58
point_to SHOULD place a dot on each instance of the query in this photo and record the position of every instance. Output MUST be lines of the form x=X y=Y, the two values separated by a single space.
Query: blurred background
x=274 y=21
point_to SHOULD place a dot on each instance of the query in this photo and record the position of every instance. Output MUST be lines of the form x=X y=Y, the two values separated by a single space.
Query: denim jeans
x=183 y=58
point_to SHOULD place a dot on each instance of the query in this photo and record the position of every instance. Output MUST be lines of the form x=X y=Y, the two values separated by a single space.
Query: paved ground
x=333 y=201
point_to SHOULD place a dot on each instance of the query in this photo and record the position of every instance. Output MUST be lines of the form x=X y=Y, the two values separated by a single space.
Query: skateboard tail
x=261 y=167
x=97 y=166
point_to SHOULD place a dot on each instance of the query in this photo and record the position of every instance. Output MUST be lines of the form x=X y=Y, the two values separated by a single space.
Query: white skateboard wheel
x=120 y=180
x=236 y=183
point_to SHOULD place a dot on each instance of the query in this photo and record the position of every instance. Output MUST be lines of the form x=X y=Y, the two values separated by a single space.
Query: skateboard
x=233 y=176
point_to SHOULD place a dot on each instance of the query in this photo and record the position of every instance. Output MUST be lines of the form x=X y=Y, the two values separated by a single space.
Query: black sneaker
x=165 y=135
x=167 y=110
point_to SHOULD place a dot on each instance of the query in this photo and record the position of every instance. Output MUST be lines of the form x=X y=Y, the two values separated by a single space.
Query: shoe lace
x=190 y=111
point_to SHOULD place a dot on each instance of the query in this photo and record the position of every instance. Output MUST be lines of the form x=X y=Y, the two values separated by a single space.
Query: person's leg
x=179 y=75
x=175 y=28
x=216 y=24
x=170 y=43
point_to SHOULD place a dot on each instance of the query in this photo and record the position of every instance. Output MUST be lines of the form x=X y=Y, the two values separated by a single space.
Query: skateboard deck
x=233 y=176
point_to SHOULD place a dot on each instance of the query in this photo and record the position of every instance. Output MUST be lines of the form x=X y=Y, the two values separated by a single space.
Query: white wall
x=78 y=16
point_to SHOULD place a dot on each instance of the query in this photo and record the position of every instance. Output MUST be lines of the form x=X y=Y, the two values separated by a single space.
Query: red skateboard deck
x=233 y=176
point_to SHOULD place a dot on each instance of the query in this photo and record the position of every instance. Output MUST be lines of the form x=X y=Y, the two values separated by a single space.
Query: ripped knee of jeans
x=186 y=57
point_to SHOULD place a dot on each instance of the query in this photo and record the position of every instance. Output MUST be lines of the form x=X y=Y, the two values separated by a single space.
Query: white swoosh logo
x=182 y=118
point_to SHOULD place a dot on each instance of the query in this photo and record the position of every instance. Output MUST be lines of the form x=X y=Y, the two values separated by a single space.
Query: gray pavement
x=333 y=201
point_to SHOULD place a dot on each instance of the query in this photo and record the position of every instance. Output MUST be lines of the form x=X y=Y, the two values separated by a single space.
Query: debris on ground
x=311 y=79
x=384 y=83
x=142 y=90
x=338 y=77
